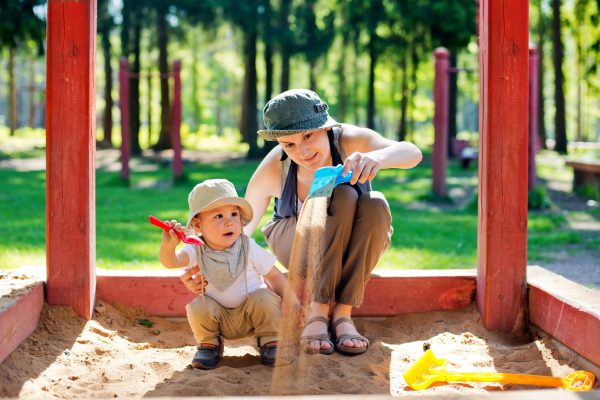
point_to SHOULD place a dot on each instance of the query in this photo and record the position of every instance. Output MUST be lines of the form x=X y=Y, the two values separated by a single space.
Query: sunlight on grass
x=426 y=235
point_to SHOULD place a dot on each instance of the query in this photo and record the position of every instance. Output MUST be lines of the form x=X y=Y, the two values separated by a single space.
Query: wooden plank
x=591 y=166
x=387 y=294
x=440 y=121
x=565 y=310
x=20 y=319
x=70 y=153
x=503 y=110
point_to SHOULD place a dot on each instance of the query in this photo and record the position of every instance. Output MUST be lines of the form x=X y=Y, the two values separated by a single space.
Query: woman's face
x=309 y=149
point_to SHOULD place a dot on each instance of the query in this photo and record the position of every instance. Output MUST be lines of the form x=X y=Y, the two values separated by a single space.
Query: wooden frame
x=70 y=155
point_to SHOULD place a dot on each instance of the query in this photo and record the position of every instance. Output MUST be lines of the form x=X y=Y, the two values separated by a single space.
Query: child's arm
x=281 y=285
x=167 y=254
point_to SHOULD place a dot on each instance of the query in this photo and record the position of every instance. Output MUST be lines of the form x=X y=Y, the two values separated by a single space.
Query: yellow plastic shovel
x=430 y=369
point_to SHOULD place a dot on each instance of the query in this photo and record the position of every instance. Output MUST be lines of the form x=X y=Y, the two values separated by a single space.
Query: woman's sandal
x=322 y=337
x=339 y=340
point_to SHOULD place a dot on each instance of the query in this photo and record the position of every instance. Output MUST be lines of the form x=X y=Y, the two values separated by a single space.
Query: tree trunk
x=268 y=145
x=107 y=121
x=414 y=86
x=196 y=111
x=560 y=129
x=12 y=93
x=452 y=100
x=371 y=103
x=342 y=84
x=403 y=99
x=164 y=139
x=355 y=74
x=540 y=94
x=285 y=44
x=150 y=106
x=248 y=123
x=134 y=87
x=312 y=76
x=32 y=91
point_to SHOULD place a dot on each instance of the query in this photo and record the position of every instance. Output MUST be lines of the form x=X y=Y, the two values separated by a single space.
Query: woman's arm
x=264 y=184
x=370 y=152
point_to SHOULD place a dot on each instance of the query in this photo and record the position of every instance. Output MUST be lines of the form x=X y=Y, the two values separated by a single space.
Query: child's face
x=220 y=227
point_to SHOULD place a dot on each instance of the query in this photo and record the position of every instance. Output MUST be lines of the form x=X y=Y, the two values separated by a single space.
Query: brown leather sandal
x=339 y=340
x=323 y=337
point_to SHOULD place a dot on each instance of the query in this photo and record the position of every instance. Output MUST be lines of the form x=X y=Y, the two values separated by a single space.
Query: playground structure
x=510 y=298
x=441 y=123
x=176 y=109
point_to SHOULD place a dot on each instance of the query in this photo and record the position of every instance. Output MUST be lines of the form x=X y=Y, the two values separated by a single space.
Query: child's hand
x=193 y=280
x=169 y=237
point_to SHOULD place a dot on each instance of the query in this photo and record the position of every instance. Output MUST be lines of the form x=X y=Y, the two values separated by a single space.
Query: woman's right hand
x=193 y=280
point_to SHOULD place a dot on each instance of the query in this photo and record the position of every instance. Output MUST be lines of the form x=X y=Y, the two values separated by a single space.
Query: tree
x=560 y=128
x=19 y=25
x=310 y=40
x=105 y=25
x=245 y=16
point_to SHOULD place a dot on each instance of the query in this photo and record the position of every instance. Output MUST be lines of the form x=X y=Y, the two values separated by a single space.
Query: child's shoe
x=268 y=353
x=208 y=355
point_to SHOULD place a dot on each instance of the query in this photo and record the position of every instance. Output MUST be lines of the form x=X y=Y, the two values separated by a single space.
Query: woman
x=310 y=139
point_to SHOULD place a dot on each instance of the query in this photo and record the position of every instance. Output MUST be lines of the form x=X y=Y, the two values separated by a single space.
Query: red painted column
x=503 y=116
x=533 y=116
x=440 y=121
x=176 y=121
x=70 y=155
x=124 y=108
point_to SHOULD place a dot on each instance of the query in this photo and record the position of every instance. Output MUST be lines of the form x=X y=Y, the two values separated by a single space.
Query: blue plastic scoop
x=326 y=179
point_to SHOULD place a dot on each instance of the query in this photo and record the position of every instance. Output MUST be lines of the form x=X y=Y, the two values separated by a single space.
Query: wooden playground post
x=533 y=116
x=124 y=107
x=503 y=126
x=176 y=122
x=70 y=155
x=440 y=121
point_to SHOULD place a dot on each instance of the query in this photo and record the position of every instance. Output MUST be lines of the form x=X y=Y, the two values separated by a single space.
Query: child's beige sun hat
x=213 y=193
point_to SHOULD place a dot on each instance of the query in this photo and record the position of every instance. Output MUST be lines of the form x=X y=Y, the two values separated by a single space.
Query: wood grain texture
x=503 y=127
x=70 y=155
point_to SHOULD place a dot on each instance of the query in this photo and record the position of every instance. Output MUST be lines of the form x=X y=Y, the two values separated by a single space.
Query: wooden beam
x=565 y=310
x=503 y=120
x=19 y=319
x=388 y=293
x=70 y=154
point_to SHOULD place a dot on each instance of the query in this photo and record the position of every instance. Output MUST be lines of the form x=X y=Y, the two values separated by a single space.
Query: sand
x=114 y=355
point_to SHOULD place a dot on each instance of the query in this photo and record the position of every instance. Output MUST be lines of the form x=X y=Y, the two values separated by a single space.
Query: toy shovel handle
x=157 y=222
x=518 y=379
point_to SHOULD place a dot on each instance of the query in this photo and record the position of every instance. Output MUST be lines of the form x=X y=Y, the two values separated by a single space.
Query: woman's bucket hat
x=214 y=193
x=295 y=111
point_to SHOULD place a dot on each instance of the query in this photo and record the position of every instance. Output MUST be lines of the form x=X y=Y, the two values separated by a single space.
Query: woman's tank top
x=289 y=204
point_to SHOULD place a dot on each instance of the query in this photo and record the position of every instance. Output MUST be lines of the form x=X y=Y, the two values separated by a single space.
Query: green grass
x=427 y=235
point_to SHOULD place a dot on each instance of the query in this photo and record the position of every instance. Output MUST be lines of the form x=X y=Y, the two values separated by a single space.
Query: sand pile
x=124 y=353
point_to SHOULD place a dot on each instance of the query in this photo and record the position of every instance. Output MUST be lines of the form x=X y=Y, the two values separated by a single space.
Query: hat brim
x=273 y=134
x=243 y=204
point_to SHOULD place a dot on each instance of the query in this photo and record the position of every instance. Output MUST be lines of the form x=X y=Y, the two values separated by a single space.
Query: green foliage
x=19 y=23
x=537 y=198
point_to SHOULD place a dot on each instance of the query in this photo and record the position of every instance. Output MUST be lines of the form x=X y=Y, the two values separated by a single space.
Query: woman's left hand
x=364 y=167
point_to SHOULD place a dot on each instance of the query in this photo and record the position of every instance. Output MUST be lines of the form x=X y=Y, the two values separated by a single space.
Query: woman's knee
x=374 y=209
x=344 y=200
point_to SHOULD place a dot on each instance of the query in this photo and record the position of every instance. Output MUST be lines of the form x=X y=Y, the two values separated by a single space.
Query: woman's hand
x=193 y=280
x=364 y=167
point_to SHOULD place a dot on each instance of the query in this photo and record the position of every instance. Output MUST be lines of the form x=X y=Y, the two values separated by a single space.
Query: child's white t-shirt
x=260 y=263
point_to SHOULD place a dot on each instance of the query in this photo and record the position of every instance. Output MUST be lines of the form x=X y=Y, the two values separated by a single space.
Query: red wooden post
x=503 y=112
x=70 y=155
x=533 y=116
x=124 y=107
x=176 y=121
x=440 y=121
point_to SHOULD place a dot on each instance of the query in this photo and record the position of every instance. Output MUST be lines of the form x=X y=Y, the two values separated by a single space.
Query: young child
x=235 y=300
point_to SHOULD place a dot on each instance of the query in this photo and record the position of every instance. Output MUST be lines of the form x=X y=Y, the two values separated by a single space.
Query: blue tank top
x=287 y=205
